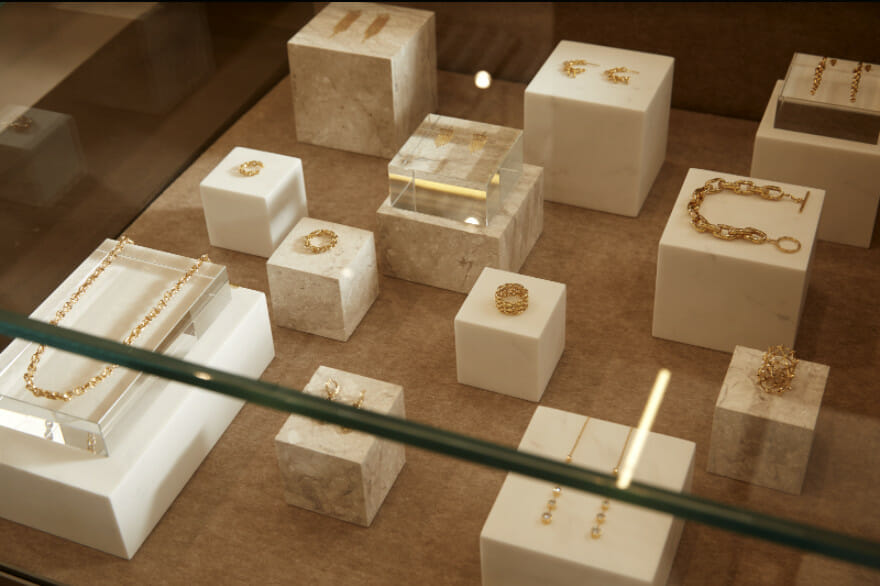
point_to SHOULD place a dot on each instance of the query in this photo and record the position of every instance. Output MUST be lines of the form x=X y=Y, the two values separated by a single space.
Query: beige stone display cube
x=762 y=438
x=327 y=293
x=364 y=76
x=450 y=254
x=341 y=473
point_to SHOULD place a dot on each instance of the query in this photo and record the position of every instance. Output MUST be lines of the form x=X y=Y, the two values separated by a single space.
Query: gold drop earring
x=857 y=78
x=817 y=74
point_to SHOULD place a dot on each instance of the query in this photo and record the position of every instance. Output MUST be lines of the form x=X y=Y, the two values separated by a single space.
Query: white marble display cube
x=762 y=438
x=253 y=214
x=450 y=254
x=637 y=545
x=363 y=76
x=601 y=143
x=847 y=170
x=333 y=471
x=510 y=354
x=327 y=293
x=40 y=155
x=722 y=293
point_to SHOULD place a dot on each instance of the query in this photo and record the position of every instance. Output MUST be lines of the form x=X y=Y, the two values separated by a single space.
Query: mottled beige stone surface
x=449 y=254
x=762 y=438
x=365 y=87
x=327 y=293
x=332 y=471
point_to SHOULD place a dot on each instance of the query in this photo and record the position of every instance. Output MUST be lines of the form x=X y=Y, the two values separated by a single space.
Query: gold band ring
x=250 y=168
x=329 y=236
x=511 y=298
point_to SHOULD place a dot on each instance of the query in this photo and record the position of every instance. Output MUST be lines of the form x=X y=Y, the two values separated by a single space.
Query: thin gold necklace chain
x=31 y=372
x=750 y=234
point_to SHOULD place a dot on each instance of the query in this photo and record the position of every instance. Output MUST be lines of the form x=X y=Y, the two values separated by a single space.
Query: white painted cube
x=510 y=354
x=637 y=545
x=722 y=293
x=847 y=170
x=363 y=76
x=337 y=472
x=760 y=438
x=252 y=214
x=601 y=143
x=450 y=254
x=325 y=293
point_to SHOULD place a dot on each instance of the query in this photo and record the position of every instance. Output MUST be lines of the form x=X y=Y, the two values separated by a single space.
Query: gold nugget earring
x=616 y=75
x=817 y=74
x=443 y=136
x=478 y=141
x=857 y=78
x=571 y=69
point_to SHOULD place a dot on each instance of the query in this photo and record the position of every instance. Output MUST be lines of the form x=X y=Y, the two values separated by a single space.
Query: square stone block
x=637 y=546
x=326 y=293
x=253 y=214
x=510 y=354
x=333 y=471
x=846 y=169
x=762 y=438
x=722 y=293
x=364 y=76
x=601 y=143
x=451 y=254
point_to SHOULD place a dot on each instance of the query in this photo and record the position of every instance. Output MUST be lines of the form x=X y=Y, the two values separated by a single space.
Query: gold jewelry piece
x=596 y=531
x=360 y=401
x=547 y=515
x=571 y=69
x=132 y=335
x=856 y=80
x=329 y=235
x=749 y=234
x=478 y=141
x=616 y=75
x=376 y=26
x=777 y=370
x=511 y=298
x=346 y=21
x=21 y=124
x=817 y=74
x=331 y=388
x=250 y=168
x=443 y=136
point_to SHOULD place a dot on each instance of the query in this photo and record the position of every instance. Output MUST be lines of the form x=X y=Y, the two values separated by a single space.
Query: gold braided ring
x=777 y=370
x=511 y=298
x=329 y=236
x=250 y=168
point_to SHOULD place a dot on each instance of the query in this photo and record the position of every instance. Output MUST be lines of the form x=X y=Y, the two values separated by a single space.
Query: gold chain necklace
x=132 y=336
x=749 y=234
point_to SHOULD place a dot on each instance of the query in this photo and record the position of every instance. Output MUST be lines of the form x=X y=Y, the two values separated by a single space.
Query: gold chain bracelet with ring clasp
x=31 y=372
x=749 y=234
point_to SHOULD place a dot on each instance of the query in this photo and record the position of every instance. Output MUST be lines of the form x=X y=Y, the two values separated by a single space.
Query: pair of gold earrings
x=444 y=136
x=332 y=390
x=352 y=15
x=574 y=67
x=854 y=84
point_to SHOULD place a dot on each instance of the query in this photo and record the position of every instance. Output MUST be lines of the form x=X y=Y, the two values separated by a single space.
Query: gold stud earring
x=857 y=78
x=571 y=69
x=817 y=73
x=616 y=75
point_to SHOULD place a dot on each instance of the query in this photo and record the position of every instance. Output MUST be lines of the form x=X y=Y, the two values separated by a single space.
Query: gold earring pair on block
x=574 y=67
x=444 y=136
x=332 y=390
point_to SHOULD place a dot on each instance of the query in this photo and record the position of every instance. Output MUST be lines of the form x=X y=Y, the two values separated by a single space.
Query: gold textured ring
x=511 y=298
x=777 y=370
x=329 y=236
x=21 y=123
x=250 y=168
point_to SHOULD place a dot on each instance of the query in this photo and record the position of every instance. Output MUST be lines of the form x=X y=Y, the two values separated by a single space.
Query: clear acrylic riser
x=115 y=302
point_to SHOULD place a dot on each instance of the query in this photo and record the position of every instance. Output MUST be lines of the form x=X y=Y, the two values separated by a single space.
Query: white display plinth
x=327 y=293
x=762 y=438
x=847 y=170
x=601 y=143
x=722 y=293
x=637 y=546
x=510 y=354
x=335 y=471
x=112 y=503
x=450 y=254
x=363 y=76
x=253 y=214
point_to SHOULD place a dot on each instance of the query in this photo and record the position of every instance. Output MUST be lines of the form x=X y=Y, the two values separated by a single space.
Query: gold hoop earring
x=616 y=75
x=571 y=69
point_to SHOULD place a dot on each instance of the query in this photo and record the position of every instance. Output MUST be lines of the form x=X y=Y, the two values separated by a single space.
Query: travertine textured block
x=720 y=293
x=253 y=213
x=451 y=254
x=364 y=76
x=326 y=293
x=510 y=354
x=762 y=438
x=332 y=471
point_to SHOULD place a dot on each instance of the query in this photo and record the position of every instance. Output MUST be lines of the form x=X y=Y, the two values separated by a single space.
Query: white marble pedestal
x=327 y=293
x=601 y=143
x=364 y=76
x=342 y=473
x=510 y=354
x=252 y=214
x=637 y=545
x=847 y=170
x=720 y=293
x=762 y=438
x=450 y=254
